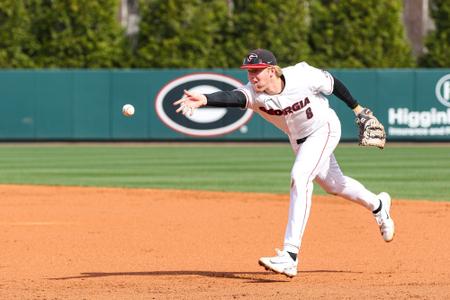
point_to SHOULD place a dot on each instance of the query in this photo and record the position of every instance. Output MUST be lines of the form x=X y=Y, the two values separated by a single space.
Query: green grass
x=406 y=171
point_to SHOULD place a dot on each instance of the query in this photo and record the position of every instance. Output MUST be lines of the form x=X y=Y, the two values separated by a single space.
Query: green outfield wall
x=85 y=105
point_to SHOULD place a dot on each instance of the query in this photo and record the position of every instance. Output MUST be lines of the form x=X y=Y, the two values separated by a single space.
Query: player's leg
x=310 y=156
x=286 y=260
x=333 y=181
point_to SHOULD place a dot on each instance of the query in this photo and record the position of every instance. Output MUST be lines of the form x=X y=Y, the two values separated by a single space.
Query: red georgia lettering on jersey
x=287 y=110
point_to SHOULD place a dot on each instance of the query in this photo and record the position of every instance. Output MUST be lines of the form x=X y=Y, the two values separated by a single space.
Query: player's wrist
x=358 y=109
x=204 y=100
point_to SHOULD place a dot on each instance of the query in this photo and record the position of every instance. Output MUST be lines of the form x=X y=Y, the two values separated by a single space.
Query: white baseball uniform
x=302 y=111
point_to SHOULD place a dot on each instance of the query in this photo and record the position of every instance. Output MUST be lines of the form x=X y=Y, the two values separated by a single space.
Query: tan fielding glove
x=371 y=131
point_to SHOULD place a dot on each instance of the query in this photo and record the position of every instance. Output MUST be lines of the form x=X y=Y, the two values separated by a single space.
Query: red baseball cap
x=259 y=59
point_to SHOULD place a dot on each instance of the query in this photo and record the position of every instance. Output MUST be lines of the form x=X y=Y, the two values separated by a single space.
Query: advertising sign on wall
x=431 y=118
x=412 y=104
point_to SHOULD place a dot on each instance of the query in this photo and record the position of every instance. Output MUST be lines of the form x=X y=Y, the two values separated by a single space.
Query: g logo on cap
x=252 y=57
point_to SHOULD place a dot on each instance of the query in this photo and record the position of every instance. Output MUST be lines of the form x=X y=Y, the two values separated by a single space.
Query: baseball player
x=293 y=99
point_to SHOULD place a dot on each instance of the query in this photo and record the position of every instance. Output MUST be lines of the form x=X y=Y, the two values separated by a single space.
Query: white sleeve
x=319 y=80
x=247 y=90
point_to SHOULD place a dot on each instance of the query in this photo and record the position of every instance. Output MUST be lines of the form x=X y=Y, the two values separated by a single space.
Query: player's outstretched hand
x=190 y=102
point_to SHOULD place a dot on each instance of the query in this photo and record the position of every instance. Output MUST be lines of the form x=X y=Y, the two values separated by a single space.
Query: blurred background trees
x=180 y=33
x=360 y=34
x=216 y=33
x=17 y=43
x=437 y=52
x=61 y=33
x=76 y=33
x=281 y=26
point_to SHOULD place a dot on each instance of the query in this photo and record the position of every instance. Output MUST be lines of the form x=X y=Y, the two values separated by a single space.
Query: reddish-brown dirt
x=99 y=243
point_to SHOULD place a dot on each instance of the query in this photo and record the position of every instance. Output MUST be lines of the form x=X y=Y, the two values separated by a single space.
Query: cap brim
x=255 y=66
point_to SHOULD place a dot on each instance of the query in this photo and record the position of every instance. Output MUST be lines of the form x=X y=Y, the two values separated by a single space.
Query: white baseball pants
x=315 y=161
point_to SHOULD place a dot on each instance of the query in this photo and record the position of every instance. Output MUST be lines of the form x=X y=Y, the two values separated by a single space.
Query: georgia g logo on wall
x=443 y=90
x=206 y=121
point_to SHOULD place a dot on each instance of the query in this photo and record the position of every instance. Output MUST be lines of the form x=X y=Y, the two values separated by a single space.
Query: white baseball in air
x=128 y=110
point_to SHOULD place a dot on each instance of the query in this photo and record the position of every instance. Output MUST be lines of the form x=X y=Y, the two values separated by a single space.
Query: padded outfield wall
x=74 y=105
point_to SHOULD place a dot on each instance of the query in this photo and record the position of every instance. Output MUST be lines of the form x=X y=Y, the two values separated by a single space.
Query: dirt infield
x=88 y=243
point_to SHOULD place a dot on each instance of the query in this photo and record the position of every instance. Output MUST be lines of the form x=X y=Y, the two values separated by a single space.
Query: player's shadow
x=252 y=277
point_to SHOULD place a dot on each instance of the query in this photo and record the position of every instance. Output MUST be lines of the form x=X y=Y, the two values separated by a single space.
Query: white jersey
x=301 y=108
